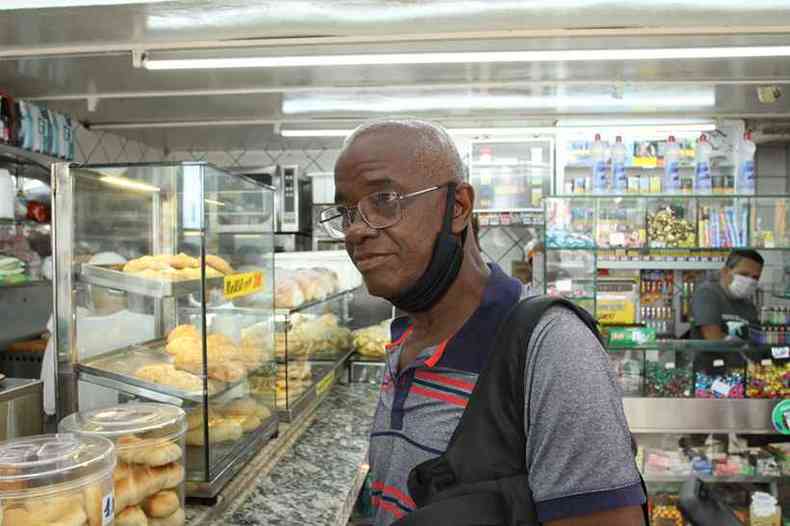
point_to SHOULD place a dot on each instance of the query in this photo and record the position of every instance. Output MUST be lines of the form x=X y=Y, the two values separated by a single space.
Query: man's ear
x=464 y=206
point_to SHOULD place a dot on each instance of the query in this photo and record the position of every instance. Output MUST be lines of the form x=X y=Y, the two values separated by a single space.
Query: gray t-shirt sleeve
x=706 y=306
x=578 y=442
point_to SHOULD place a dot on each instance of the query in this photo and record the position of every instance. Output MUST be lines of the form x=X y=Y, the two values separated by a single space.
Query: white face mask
x=742 y=287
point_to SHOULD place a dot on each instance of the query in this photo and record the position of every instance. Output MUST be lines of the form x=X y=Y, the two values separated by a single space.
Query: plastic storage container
x=57 y=480
x=720 y=377
x=149 y=438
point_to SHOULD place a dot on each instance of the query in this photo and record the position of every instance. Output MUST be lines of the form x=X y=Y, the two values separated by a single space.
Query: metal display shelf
x=659 y=265
x=328 y=374
x=115 y=370
x=27 y=164
x=112 y=276
x=692 y=415
x=709 y=479
x=233 y=456
x=307 y=305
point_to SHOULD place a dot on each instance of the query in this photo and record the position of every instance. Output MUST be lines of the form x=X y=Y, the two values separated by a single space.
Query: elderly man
x=404 y=212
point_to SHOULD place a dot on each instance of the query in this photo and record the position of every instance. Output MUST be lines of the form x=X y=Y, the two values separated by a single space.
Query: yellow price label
x=324 y=385
x=238 y=285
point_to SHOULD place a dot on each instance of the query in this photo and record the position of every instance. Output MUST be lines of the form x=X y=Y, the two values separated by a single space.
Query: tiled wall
x=99 y=147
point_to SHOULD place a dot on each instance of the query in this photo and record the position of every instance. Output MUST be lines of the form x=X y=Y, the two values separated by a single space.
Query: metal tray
x=327 y=373
x=113 y=277
x=115 y=369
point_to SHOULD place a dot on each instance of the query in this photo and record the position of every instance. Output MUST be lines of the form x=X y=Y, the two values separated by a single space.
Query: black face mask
x=448 y=254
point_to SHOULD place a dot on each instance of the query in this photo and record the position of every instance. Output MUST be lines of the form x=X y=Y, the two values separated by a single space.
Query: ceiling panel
x=235 y=19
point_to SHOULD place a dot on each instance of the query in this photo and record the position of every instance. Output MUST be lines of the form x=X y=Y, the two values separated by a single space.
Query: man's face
x=390 y=260
x=745 y=267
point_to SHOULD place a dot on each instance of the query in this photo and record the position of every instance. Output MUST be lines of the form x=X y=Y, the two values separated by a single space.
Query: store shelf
x=112 y=276
x=670 y=196
x=738 y=479
x=26 y=284
x=329 y=373
x=116 y=369
x=26 y=164
x=693 y=415
x=659 y=265
x=22 y=222
x=505 y=164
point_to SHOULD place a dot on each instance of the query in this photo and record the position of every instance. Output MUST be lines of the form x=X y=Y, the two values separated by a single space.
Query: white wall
x=99 y=147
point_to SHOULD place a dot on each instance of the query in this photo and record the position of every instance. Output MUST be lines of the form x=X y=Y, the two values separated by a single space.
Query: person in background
x=404 y=211
x=728 y=299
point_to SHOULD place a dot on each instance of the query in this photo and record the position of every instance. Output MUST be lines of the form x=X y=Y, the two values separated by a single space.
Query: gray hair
x=435 y=153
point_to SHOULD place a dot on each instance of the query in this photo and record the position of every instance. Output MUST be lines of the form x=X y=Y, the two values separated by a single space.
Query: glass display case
x=702 y=408
x=158 y=301
x=672 y=240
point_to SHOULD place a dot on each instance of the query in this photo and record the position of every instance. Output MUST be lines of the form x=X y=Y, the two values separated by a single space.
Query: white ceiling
x=66 y=56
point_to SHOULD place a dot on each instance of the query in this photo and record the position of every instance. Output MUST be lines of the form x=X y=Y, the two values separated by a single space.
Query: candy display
x=667 y=380
x=149 y=440
x=564 y=239
x=665 y=229
x=665 y=512
x=768 y=379
x=719 y=382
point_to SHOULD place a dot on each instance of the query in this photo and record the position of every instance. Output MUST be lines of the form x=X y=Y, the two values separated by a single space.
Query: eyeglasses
x=379 y=211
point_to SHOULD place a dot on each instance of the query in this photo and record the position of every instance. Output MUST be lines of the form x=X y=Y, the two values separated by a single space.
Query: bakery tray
x=113 y=277
x=326 y=376
x=115 y=369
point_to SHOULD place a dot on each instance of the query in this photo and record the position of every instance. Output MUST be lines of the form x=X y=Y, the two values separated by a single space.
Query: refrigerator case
x=183 y=277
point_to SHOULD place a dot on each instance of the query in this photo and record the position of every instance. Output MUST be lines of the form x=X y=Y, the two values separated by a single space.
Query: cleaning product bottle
x=745 y=180
x=671 y=183
x=619 y=177
x=703 y=183
x=600 y=175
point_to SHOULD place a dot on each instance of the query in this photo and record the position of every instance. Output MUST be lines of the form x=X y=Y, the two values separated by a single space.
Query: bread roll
x=144 y=263
x=179 y=262
x=134 y=450
x=181 y=331
x=240 y=407
x=163 y=504
x=131 y=516
x=248 y=423
x=224 y=371
x=220 y=430
x=166 y=374
x=183 y=344
x=218 y=340
x=73 y=515
x=92 y=497
x=195 y=417
x=218 y=264
x=121 y=470
x=176 y=519
x=310 y=283
x=288 y=294
x=144 y=481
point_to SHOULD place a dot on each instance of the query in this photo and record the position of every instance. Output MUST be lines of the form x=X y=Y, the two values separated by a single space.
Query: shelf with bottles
x=524 y=218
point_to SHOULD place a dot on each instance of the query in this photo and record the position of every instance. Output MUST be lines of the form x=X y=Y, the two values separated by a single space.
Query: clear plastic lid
x=156 y=421
x=53 y=463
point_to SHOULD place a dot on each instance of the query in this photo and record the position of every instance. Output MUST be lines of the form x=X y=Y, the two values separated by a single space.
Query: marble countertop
x=311 y=474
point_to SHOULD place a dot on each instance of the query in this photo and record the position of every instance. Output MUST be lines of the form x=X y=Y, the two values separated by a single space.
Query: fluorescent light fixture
x=11 y=5
x=376 y=59
x=627 y=122
x=212 y=202
x=453 y=131
x=122 y=182
x=637 y=99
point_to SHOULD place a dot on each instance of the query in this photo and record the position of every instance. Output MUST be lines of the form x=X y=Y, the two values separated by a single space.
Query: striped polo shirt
x=420 y=407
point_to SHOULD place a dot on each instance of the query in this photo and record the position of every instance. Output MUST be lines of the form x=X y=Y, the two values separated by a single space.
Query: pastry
x=92 y=497
x=195 y=273
x=131 y=516
x=287 y=294
x=183 y=344
x=248 y=423
x=144 y=263
x=163 y=504
x=218 y=264
x=310 y=283
x=219 y=340
x=121 y=470
x=195 y=417
x=176 y=519
x=179 y=262
x=181 y=331
x=134 y=450
x=74 y=515
x=144 y=481
x=224 y=371
x=220 y=430
x=54 y=508
x=240 y=407
x=166 y=374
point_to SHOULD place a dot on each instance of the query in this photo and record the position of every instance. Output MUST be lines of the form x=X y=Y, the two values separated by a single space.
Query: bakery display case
x=57 y=479
x=149 y=440
x=157 y=300
x=312 y=345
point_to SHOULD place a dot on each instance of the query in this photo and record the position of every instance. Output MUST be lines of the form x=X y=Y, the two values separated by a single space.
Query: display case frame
x=175 y=207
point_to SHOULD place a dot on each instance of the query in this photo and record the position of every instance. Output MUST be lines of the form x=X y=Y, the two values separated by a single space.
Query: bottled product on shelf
x=745 y=179
x=671 y=183
x=774 y=315
x=619 y=177
x=702 y=175
x=600 y=175
x=723 y=226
